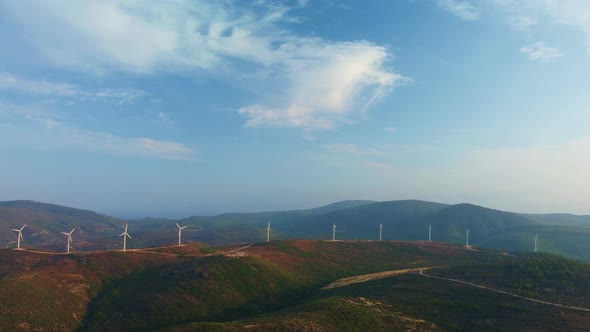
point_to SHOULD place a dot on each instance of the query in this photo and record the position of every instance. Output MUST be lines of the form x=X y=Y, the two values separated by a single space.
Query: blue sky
x=198 y=107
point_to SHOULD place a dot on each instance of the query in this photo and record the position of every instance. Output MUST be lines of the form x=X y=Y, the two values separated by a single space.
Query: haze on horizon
x=198 y=107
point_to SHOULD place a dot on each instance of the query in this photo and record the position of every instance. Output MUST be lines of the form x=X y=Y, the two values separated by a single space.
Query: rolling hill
x=283 y=285
x=402 y=220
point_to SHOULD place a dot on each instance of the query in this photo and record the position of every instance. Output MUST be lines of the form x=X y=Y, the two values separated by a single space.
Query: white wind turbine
x=333 y=231
x=467 y=238
x=429 y=232
x=180 y=233
x=536 y=242
x=268 y=231
x=69 y=235
x=381 y=232
x=125 y=236
x=20 y=235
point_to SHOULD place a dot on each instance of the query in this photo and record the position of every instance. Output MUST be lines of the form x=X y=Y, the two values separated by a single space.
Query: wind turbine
x=381 y=232
x=20 y=235
x=69 y=235
x=333 y=232
x=467 y=238
x=268 y=231
x=429 y=232
x=179 y=233
x=125 y=236
x=535 y=242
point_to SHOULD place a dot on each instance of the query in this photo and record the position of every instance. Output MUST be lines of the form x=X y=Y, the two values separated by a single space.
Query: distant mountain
x=402 y=220
x=450 y=224
x=335 y=207
x=560 y=219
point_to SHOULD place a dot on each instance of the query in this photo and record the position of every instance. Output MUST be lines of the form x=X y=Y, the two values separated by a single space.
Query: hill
x=280 y=286
x=46 y=221
x=560 y=219
x=402 y=220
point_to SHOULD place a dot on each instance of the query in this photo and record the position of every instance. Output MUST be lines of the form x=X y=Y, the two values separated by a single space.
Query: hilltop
x=284 y=285
x=402 y=220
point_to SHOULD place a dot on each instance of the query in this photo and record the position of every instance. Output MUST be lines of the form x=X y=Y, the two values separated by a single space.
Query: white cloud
x=325 y=86
x=59 y=89
x=315 y=83
x=538 y=51
x=460 y=8
x=351 y=148
x=568 y=12
x=391 y=129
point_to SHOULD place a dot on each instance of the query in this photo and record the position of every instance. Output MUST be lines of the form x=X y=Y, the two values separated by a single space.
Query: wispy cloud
x=315 y=83
x=11 y=82
x=463 y=9
x=568 y=12
x=55 y=135
x=391 y=129
x=351 y=148
x=60 y=89
x=38 y=129
x=538 y=51
x=522 y=21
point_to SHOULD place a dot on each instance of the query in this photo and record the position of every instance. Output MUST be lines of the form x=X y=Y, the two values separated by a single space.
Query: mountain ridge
x=355 y=219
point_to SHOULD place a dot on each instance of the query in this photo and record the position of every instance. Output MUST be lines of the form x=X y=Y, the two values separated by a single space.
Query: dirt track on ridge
x=372 y=276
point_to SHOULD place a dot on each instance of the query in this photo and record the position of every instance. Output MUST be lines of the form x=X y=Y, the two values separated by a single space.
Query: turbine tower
x=20 y=235
x=429 y=232
x=333 y=232
x=535 y=242
x=381 y=232
x=268 y=231
x=467 y=238
x=69 y=235
x=179 y=233
x=125 y=236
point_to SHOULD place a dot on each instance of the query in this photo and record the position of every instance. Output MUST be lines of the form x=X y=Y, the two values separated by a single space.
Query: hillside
x=46 y=221
x=402 y=220
x=278 y=286
x=560 y=219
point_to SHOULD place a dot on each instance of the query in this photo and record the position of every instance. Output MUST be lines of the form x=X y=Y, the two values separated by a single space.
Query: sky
x=177 y=108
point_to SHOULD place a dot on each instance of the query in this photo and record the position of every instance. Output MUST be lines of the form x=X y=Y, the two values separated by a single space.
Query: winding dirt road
x=506 y=293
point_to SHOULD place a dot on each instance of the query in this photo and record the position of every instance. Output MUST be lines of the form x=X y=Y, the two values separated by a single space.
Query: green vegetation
x=406 y=220
x=278 y=286
x=542 y=276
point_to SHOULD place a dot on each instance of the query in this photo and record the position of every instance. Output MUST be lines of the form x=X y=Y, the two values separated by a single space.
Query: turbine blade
x=177 y=225
x=129 y=236
x=25 y=225
x=73 y=229
x=64 y=233
x=16 y=230
x=126 y=225
x=183 y=227
x=122 y=234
